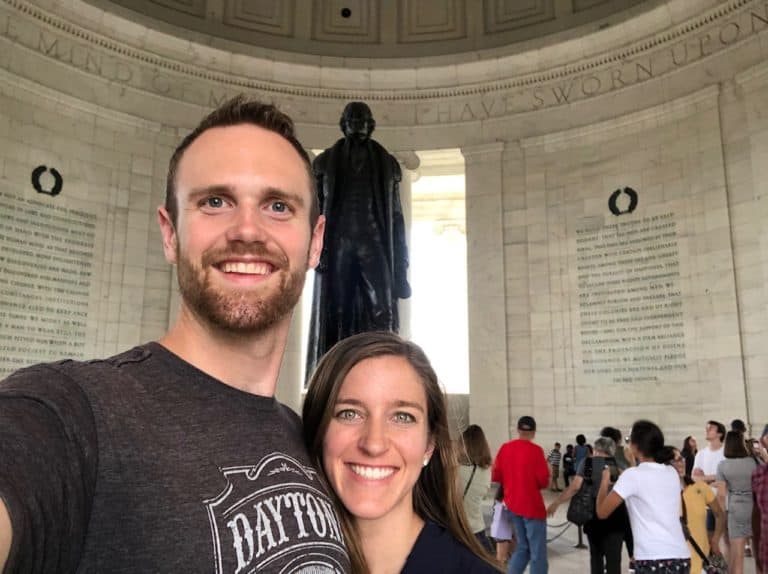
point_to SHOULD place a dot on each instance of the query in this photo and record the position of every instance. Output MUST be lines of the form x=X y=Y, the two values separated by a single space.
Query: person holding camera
x=651 y=491
x=605 y=536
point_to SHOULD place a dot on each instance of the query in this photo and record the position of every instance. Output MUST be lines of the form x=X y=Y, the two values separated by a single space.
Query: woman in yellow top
x=698 y=496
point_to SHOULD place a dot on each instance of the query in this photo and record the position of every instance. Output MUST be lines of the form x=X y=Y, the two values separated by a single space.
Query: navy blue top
x=436 y=551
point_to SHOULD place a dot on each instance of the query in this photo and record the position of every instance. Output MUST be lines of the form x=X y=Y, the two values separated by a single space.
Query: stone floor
x=564 y=558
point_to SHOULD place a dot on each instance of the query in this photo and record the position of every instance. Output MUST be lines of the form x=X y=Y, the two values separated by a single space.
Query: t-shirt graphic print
x=275 y=517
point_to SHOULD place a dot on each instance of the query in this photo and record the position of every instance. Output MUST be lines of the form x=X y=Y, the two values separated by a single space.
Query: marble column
x=489 y=396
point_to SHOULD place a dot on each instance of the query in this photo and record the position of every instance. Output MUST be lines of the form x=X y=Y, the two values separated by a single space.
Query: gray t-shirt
x=143 y=463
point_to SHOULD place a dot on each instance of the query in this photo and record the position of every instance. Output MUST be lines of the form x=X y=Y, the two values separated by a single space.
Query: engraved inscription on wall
x=46 y=258
x=630 y=303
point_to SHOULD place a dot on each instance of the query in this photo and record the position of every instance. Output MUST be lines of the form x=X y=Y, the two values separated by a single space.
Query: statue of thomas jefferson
x=363 y=267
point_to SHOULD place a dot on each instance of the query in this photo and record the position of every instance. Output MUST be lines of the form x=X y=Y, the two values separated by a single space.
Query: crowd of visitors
x=677 y=510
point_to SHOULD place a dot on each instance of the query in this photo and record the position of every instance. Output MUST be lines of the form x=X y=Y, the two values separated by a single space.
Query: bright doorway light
x=438 y=250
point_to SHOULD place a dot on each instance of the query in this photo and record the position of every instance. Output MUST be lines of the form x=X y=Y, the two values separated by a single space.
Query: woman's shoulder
x=437 y=551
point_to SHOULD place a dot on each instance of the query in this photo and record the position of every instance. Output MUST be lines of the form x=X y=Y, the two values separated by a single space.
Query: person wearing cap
x=521 y=468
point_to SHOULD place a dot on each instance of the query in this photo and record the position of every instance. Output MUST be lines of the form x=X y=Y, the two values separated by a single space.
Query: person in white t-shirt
x=651 y=492
x=706 y=461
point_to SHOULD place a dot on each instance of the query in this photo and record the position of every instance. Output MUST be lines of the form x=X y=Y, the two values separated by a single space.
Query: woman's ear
x=430 y=451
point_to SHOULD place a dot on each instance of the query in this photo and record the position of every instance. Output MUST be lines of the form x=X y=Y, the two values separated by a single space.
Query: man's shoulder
x=521 y=446
x=54 y=376
x=710 y=454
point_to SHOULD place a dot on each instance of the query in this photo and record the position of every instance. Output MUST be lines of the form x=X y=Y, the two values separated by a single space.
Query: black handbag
x=714 y=563
x=582 y=506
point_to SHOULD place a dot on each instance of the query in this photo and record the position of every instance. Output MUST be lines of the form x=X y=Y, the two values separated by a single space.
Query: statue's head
x=357 y=121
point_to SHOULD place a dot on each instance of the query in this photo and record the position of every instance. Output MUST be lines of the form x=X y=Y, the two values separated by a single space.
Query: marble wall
x=671 y=103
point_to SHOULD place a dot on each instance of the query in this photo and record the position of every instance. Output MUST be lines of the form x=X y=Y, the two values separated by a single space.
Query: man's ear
x=168 y=231
x=316 y=242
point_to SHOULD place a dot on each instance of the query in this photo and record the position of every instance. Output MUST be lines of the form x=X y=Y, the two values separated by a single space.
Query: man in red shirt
x=521 y=468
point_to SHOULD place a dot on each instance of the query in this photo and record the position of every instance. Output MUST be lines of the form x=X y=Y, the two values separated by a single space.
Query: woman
x=605 y=536
x=651 y=491
x=690 y=448
x=698 y=497
x=375 y=425
x=734 y=474
x=475 y=479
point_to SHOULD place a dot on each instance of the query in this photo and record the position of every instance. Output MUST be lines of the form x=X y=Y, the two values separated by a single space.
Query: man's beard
x=244 y=311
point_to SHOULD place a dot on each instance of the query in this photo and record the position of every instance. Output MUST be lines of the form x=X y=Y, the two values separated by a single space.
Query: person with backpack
x=605 y=536
x=651 y=491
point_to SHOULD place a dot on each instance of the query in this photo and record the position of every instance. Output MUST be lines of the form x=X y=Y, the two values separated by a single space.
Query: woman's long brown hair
x=435 y=495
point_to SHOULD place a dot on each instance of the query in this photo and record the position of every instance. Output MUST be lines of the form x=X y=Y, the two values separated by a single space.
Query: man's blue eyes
x=218 y=202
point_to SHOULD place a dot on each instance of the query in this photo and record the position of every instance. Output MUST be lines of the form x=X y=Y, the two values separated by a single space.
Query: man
x=175 y=456
x=521 y=469
x=363 y=268
x=706 y=461
x=554 y=467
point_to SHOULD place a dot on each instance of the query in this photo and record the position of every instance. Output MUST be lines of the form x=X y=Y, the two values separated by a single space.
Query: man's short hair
x=720 y=428
x=526 y=423
x=238 y=111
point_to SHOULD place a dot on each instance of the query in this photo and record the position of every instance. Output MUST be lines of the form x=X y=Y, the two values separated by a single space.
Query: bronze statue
x=363 y=267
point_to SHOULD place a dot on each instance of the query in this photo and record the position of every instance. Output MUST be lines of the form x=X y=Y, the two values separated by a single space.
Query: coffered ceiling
x=377 y=28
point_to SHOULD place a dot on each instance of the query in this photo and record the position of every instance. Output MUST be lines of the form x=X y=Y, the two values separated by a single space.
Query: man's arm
x=49 y=433
x=6 y=534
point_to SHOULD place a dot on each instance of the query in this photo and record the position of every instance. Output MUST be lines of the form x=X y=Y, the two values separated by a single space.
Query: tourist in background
x=651 y=491
x=376 y=427
x=521 y=467
x=568 y=468
x=706 y=461
x=554 y=467
x=734 y=475
x=475 y=479
x=580 y=451
x=690 y=448
x=698 y=498
x=624 y=459
x=605 y=536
